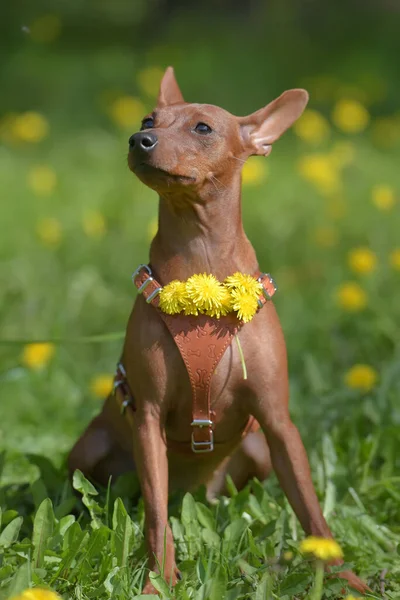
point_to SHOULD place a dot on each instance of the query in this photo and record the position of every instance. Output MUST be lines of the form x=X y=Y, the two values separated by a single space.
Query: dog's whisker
x=219 y=181
x=236 y=158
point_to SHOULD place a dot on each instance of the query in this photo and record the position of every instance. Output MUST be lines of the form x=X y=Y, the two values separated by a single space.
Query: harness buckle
x=199 y=447
x=266 y=295
x=137 y=271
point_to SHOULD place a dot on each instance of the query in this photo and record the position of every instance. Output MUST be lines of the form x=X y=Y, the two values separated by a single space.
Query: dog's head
x=187 y=145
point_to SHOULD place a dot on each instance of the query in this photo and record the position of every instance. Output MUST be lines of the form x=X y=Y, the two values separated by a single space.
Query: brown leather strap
x=202 y=341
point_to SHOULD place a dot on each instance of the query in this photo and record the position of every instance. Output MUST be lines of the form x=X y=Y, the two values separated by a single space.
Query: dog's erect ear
x=262 y=128
x=169 y=90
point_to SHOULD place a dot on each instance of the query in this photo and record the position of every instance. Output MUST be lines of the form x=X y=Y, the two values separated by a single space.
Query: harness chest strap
x=202 y=341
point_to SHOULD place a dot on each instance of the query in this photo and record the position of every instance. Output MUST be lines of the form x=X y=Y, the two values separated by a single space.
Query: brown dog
x=176 y=432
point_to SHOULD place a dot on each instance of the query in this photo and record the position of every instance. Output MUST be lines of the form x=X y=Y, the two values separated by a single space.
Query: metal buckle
x=137 y=271
x=153 y=294
x=207 y=446
x=264 y=291
x=126 y=402
x=199 y=447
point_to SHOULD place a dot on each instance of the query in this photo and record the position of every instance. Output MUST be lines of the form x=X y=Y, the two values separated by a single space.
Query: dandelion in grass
x=37 y=594
x=29 y=127
x=394 y=259
x=351 y=297
x=49 y=232
x=361 y=377
x=312 y=127
x=350 y=116
x=149 y=80
x=362 y=260
x=321 y=171
x=322 y=548
x=37 y=356
x=94 y=224
x=42 y=180
x=206 y=292
x=383 y=197
x=101 y=385
x=127 y=111
x=254 y=171
x=173 y=297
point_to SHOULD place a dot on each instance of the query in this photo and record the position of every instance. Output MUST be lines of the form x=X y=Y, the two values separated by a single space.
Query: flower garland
x=204 y=294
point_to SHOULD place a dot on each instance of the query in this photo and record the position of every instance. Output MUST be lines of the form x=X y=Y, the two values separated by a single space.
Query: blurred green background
x=322 y=212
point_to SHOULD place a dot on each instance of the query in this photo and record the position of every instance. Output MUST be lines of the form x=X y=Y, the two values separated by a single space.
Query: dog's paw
x=354 y=581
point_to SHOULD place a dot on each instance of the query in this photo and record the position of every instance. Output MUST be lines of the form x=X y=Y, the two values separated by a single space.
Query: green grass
x=235 y=549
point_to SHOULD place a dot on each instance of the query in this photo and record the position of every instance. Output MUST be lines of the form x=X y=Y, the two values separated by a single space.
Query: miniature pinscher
x=181 y=413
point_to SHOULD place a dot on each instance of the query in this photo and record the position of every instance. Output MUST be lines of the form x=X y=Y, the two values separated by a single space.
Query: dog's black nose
x=143 y=140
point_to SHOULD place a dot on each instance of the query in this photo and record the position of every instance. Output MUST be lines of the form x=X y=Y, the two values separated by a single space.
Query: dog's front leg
x=290 y=462
x=150 y=455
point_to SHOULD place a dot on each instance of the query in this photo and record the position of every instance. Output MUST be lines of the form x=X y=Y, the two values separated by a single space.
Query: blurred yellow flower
x=343 y=154
x=361 y=377
x=350 y=116
x=29 y=127
x=37 y=594
x=312 y=127
x=350 y=597
x=351 y=297
x=94 y=224
x=254 y=171
x=37 y=356
x=42 y=180
x=101 y=385
x=149 y=80
x=6 y=127
x=288 y=555
x=394 y=259
x=49 y=232
x=45 y=29
x=336 y=208
x=326 y=237
x=362 y=260
x=152 y=229
x=127 y=111
x=322 y=548
x=321 y=171
x=383 y=197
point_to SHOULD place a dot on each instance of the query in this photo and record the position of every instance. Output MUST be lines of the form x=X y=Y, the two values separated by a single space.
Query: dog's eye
x=147 y=123
x=203 y=128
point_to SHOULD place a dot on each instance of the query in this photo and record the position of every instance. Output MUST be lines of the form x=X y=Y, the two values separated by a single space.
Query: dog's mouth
x=152 y=171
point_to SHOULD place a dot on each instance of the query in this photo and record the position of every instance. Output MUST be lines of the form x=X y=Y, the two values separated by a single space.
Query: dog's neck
x=202 y=233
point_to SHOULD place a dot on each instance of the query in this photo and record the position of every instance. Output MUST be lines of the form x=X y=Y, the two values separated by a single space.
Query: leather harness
x=202 y=341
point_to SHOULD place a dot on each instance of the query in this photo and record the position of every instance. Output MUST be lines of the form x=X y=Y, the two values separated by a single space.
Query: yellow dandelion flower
x=207 y=293
x=49 y=232
x=101 y=385
x=152 y=229
x=394 y=259
x=189 y=307
x=127 y=111
x=45 y=29
x=173 y=297
x=254 y=171
x=42 y=180
x=361 y=377
x=350 y=116
x=149 y=80
x=351 y=297
x=362 y=260
x=312 y=127
x=29 y=127
x=320 y=170
x=288 y=555
x=246 y=283
x=383 y=197
x=244 y=303
x=350 y=597
x=37 y=356
x=225 y=308
x=322 y=548
x=326 y=237
x=94 y=224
